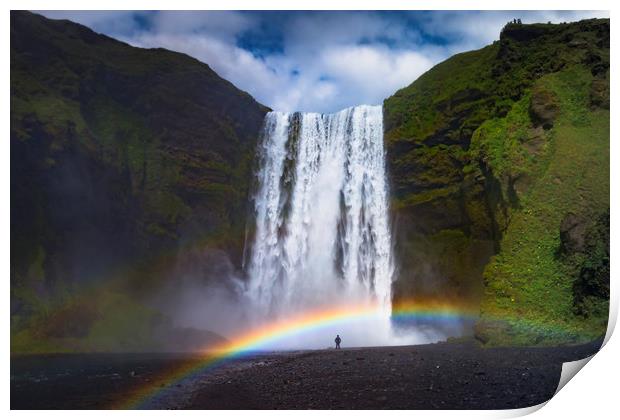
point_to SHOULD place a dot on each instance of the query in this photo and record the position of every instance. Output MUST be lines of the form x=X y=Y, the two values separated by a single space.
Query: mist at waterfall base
x=320 y=239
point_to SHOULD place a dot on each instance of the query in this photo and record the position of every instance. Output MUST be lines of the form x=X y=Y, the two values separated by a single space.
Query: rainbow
x=261 y=338
x=432 y=311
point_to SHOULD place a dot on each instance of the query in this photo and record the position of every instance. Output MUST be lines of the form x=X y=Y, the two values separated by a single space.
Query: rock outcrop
x=572 y=234
x=543 y=108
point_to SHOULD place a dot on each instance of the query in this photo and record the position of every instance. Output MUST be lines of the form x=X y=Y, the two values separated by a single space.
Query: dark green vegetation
x=489 y=153
x=121 y=160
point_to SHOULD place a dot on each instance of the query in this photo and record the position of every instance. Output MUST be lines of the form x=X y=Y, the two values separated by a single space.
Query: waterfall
x=322 y=234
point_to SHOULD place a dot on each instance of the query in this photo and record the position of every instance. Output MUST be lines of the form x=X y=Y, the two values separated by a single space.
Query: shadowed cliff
x=121 y=159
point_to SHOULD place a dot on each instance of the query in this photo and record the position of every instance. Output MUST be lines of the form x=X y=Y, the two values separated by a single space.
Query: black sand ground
x=443 y=376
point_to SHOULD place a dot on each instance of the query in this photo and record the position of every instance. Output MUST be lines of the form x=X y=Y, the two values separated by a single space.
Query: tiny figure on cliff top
x=337 y=340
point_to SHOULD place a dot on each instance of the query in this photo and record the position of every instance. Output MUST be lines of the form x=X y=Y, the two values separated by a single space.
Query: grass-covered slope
x=496 y=152
x=533 y=285
x=120 y=159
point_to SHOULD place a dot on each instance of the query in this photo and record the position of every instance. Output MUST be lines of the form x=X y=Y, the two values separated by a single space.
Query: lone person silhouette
x=337 y=340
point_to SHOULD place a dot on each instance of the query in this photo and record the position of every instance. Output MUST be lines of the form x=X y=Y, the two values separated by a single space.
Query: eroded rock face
x=543 y=108
x=599 y=93
x=585 y=246
x=572 y=234
x=591 y=287
x=526 y=33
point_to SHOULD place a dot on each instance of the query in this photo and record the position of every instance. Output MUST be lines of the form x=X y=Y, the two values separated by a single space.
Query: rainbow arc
x=263 y=337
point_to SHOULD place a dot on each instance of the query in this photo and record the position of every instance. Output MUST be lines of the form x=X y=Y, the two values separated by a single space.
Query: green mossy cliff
x=121 y=158
x=488 y=153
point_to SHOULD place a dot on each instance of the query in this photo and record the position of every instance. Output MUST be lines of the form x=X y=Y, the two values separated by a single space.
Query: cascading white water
x=322 y=231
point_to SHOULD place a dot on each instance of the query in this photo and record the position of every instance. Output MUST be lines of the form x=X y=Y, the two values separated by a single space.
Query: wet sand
x=434 y=376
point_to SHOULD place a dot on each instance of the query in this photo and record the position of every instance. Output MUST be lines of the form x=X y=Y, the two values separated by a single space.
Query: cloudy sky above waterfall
x=313 y=61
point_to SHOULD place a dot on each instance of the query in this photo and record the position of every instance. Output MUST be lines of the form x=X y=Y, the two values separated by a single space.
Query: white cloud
x=368 y=74
x=219 y=24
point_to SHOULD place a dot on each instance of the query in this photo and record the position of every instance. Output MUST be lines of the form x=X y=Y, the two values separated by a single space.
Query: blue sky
x=314 y=61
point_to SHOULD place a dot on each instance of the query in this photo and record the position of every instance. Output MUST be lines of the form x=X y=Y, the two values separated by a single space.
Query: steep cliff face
x=121 y=158
x=473 y=146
